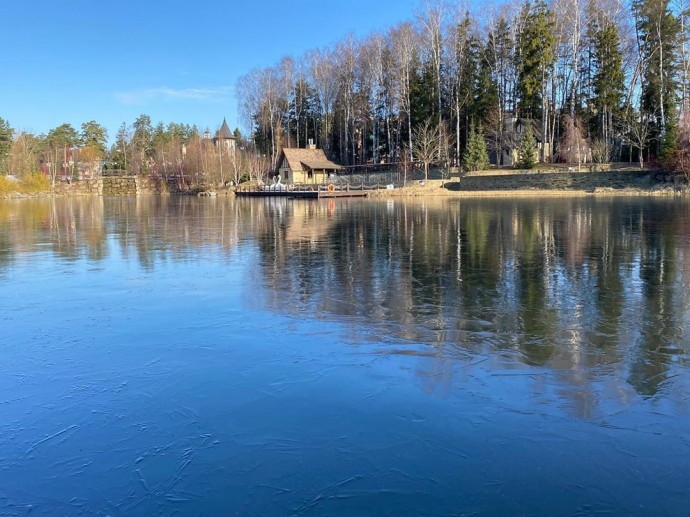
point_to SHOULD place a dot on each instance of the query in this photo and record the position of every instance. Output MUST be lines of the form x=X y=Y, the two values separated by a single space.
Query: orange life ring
x=331 y=187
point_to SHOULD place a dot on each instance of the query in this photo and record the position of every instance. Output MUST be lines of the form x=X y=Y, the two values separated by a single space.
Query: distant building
x=308 y=165
x=510 y=137
x=224 y=139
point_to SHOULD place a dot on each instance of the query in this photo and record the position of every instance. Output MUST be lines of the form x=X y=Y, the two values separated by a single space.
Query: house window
x=310 y=174
x=287 y=175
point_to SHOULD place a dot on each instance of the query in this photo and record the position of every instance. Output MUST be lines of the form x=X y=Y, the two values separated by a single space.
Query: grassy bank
x=543 y=184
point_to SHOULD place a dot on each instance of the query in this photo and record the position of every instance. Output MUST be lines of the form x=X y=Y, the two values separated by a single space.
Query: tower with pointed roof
x=224 y=138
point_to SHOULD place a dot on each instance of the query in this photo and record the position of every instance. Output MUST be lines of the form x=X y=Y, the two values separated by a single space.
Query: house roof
x=311 y=158
x=536 y=128
x=321 y=165
x=224 y=132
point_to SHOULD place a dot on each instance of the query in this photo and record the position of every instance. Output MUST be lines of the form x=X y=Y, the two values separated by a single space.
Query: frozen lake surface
x=183 y=356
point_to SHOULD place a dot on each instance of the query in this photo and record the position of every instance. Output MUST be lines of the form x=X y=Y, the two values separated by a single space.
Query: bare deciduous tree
x=404 y=42
x=427 y=144
x=432 y=20
x=574 y=146
x=639 y=127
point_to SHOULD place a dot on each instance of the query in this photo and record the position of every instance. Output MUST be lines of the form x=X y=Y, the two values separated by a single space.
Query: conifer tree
x=608 y=79
x=537 y=53
x=95 y=135
x=527 y=150
x=476 y=157
x=659 y=31
x=121 y=150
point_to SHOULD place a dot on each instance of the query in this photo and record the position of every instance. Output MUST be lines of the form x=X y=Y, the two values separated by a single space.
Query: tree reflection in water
x=592 y=291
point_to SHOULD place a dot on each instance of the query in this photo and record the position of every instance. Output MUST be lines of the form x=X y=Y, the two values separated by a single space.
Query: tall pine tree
x=659 y=33
x=537 y=53
x=608 y=78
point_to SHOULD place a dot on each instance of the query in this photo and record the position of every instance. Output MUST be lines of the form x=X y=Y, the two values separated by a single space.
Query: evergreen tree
x=537 y=46
x=160 y=136
x=142 y=144
x=486 y=93
x=608 y=80
x=422 y=104
x=476 y=157
x=6 y=134
x=95 y=135
x=120 y=151
x=659 y=31
x=527 y=150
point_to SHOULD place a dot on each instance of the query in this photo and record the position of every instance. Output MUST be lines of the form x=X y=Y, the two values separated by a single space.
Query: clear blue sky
x=70 y=61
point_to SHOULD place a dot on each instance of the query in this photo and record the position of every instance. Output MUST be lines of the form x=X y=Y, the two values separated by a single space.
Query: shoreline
x=411 y=193
x=407 y=193
x=474 y=185
x=434 y=188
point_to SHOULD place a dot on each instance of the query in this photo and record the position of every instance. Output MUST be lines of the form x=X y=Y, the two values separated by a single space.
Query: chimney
x=311 y=144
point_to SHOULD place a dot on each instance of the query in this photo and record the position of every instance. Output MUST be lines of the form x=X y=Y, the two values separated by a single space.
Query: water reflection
x=183 y=355
x=593 y=290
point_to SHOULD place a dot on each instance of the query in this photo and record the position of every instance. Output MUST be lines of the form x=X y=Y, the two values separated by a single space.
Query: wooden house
x=308 y=165
x=514 y=127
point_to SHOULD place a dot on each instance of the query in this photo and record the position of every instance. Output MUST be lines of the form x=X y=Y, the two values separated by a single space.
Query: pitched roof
x=224 y=132
x=320 y=164
x=536 y=128
x=298 y=159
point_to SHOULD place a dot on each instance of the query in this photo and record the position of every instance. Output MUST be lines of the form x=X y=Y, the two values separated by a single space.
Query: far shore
x=484 y=184
x=439 y=188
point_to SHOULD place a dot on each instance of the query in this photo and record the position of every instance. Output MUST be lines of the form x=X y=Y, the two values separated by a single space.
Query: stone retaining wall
x=587 y=181
x=120 y=186
x=80 y=187
x=112 y=186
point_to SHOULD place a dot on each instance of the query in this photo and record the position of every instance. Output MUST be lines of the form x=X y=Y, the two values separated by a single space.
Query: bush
x=30 y=184
x=36 y=182
x=7 y=185
x=678 y=163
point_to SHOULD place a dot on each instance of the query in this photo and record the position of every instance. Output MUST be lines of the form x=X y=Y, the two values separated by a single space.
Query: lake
x=184 y=356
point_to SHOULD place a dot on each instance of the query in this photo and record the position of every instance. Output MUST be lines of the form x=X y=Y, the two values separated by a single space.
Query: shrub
x=7 y=185
x=36 y=182
x=30 y=184
x=679 y=163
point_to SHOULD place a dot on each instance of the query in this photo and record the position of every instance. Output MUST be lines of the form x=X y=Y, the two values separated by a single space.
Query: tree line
x=598 y=79
x=177 y=152
x=595 y=80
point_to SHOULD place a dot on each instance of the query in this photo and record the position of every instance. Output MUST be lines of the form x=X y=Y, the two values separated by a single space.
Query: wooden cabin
x=308 y=165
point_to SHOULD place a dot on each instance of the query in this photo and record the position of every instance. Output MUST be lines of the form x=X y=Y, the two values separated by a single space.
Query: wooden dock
x=300 y=192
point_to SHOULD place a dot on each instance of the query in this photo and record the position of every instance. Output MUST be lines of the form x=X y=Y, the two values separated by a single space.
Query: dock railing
x=317 y=187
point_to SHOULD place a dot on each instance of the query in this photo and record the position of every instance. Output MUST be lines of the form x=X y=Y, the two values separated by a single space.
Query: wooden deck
x=315 y=192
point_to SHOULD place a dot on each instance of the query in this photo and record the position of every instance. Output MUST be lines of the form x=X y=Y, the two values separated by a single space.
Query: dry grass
x=32 y=184
x=440 y=189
